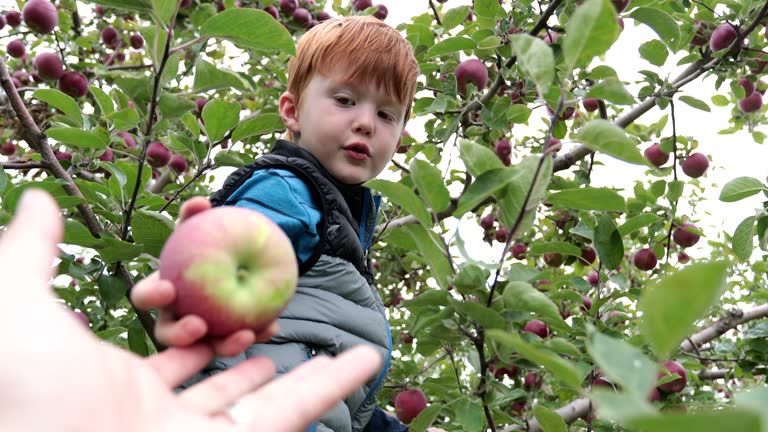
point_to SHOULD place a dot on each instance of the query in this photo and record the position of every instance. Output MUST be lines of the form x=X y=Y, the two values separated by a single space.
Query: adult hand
x=55 y=375
x=153 y=292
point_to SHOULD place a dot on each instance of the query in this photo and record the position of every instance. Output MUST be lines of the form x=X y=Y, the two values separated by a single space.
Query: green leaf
x=695 y=103
x=661 y=22
x=469 y=413
x=164 y=10
x=511 y=201
x=451 y=45
x=608 y=242
x=703 y=421
x=208 y=77
x=138 y=5
x=3 y=179
x=173 y=106
x=605 y=137
x=137 y=340
x=486 y=317
x=522 y=296
x=478 y=158
x=425 y=418
x=219 y=117
x=228 y=158
x=75 y=233
x=623 y=363
x=455 y=16
x=102 y=99
x=720 y=100
x=740 y=188
x=592 y=29
x=78 y=138
x=488 y=9
x=124 y=119
x=654 y=51
x=535 y=58
x=611 y=90
x=250 y=28
x=743 y=238
x=675 y=190
x=549 y=420
x=518 y=113
x=563 y=370
x=113 y=250
x=540 y=248
x=430 y=184
x=403 y=196
x=260 y=125
x=151 y=230
x=432 y=250
x=588 y=198
x=485 y=185
x=62 y=102
x=111 y=289
x=670 y=306
x=637 y=222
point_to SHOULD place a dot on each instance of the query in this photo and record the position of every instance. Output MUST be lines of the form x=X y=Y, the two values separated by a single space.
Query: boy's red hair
x=370 y=50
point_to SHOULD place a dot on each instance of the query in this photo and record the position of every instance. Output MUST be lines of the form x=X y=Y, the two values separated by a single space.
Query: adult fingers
x=238 y=341
x=192 y=207
x=152 y=292
x=218 y=392
x=296 y=399
x=28 y=247
x=176 y=365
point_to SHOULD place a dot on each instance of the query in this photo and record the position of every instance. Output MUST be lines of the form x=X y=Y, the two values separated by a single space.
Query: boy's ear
x=289 y=112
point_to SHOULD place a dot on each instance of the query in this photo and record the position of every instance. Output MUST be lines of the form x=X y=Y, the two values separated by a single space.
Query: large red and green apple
x=231 y=266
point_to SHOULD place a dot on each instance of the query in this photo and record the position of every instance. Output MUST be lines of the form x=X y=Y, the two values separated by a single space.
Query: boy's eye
x=385 y=115
x=343 y=100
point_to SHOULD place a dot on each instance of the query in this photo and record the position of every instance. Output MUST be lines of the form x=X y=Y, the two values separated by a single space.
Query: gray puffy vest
x=336 y=306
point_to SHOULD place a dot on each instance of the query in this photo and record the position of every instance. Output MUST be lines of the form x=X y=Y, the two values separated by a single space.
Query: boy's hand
x=153 y=292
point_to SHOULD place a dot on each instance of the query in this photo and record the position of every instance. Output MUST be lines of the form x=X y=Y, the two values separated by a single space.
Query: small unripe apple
x=599 y=381
x=586 y=304
x=722 y=37
x=519 y=250
x=702 y=33
x=471 y=71
x=40 y=15
x=15 y=48
x=654 y=395
x=231 y=266
x=128 y=139
x=408 y=404
x=537 y=327
x=501 y=235
x=74 y=84
x=381 y=12
x=200 y=102
x=518 y=408
x=593 y=278
x=683 y=237
x=676 y=386
x=178 y=163
x=645 y=259
x=288 y=6
x=362 y=4
x=406 y=337
x=588 y=255
x=302 y=17
x=695 y=165
x=158 y=155
x=2 y=21
x=760 y=64
x=8 y=149
x=107 y=156
x=503 y=147
x=620 y=5
x=683 y=257
x=553 y=259
x=551 y=37
x=185 y=3
x=500 y=372
x=323 y=16
x=23 y=77
x=655 y=155
x=272 y=11
x=747 y=85
x=751 y=103
x=48 y=66
x=13 y=18
x=532 y=381
x=590 y=104
x=487 y=221
x=110 y=36
x=63 y=155
x=137 y=42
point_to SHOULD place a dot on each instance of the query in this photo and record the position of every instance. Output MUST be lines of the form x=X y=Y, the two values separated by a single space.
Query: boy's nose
x=364 y=122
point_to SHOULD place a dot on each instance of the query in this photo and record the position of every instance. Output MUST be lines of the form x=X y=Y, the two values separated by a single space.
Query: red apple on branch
x=40 y=15
x=408 y=404
x=231 y=266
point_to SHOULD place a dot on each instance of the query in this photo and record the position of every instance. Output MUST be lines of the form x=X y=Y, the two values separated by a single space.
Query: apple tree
x=602 y=309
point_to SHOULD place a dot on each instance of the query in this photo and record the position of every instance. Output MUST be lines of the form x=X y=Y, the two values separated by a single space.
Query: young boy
x=350 y=88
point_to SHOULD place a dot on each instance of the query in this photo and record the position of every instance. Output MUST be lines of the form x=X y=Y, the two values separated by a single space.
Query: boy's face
x=352 y=129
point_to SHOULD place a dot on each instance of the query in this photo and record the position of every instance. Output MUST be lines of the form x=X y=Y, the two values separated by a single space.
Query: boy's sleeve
x=381 y=422
x=284 y=198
